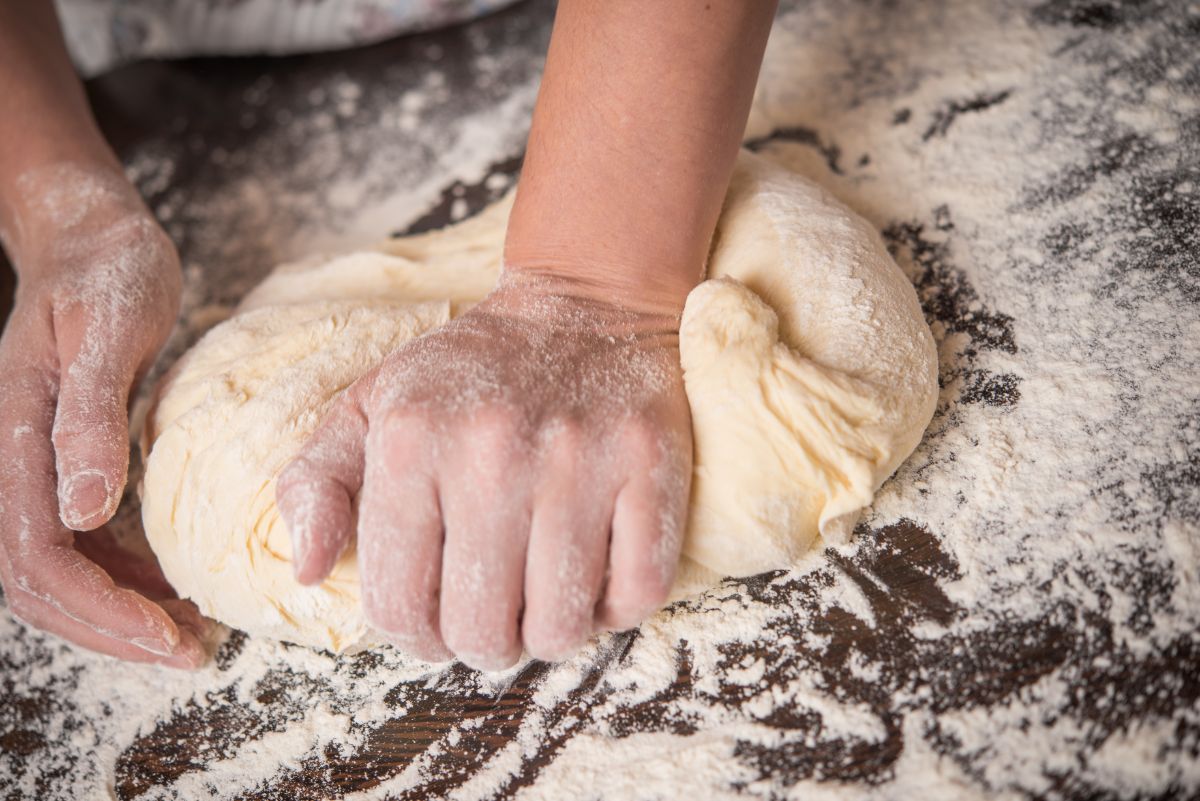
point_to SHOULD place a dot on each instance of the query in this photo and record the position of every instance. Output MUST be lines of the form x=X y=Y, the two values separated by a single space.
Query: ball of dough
x=809 y=368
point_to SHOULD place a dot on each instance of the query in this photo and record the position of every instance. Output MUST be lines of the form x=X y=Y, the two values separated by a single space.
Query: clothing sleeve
x=102 y=34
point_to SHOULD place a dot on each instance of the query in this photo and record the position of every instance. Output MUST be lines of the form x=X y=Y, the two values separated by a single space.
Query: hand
x=521 y=476
x=98 y=293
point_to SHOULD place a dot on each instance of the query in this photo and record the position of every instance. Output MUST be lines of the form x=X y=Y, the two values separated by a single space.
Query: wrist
x=54 y=201
x=639 y=290
x=645 y=277
x=558 y=298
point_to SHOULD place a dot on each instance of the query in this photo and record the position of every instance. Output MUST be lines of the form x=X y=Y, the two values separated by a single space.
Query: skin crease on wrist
x=98 y=289
x=522 y=474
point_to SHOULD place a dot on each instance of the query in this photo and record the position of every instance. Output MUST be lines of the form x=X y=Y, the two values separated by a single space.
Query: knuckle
x=361 y=393
x=494 y=445
x=100 y=373
x=97 y=421
x=148 y=246
x=403 y=415
x=394 y=384
x=565 y=437
x=494 y=423
x=642 y=440
x=400 y=440
x=404 y=425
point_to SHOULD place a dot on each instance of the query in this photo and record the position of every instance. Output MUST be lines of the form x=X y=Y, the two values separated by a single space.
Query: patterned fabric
x=103 y=33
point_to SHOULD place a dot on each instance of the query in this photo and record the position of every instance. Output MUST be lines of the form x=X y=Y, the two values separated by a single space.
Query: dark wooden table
x=902 y=570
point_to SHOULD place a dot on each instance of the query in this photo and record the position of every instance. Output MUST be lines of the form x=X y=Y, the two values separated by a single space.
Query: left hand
x=524 y=475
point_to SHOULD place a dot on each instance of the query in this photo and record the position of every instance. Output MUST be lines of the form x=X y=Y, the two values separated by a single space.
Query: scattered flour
x=1019 y=615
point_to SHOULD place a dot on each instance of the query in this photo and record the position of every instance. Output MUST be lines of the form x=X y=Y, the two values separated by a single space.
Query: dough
x=808 y=365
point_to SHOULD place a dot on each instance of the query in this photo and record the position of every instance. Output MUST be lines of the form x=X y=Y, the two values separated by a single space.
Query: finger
x=486 y=509
x=647 y=528
x=45 y=578
x=62 y=579
x=315 y=492
x=91 y=424
x=188 y=654
x=400 y=538
x=568 y=548
x=126 y=568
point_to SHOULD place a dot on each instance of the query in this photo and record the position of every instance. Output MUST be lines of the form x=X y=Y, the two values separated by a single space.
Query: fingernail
x=153 y=645
x=83 y=496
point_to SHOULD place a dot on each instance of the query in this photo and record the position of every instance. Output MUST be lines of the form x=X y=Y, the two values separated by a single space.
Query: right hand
x=518 y=477
x=98 y=293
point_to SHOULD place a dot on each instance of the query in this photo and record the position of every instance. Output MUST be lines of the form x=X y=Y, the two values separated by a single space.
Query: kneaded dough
x=809 y=368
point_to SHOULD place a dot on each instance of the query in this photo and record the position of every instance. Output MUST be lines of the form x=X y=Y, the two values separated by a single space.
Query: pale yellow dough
x=808 y=365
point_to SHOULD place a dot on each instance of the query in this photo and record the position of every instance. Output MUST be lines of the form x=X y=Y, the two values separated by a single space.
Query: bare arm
x=44 y=115
x=638 y=121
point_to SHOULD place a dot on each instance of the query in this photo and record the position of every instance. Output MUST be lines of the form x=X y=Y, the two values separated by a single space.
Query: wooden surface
x=903 y=569
x=899 y=573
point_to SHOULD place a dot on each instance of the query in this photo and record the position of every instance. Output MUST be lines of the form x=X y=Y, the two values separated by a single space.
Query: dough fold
x=809 y=368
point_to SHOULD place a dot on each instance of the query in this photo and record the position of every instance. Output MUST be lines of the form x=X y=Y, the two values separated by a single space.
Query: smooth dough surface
x=808 y=365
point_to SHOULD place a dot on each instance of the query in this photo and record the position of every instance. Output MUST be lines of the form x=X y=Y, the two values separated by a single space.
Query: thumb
x=91 y=424
x=316 y=491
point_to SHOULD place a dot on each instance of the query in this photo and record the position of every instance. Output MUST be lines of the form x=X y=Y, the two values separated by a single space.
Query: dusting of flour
x=1018 y=615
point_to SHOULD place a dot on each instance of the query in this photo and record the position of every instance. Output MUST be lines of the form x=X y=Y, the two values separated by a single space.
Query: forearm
x=44 y=115
x=638 y=121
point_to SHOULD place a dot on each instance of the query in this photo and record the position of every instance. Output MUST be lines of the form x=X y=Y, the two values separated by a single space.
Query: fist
x=516 y=478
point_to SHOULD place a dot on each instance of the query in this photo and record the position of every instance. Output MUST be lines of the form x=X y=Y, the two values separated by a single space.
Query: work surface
x=1016 y=617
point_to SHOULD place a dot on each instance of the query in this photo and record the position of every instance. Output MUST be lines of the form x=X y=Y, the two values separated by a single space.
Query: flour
x=1038 y=640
